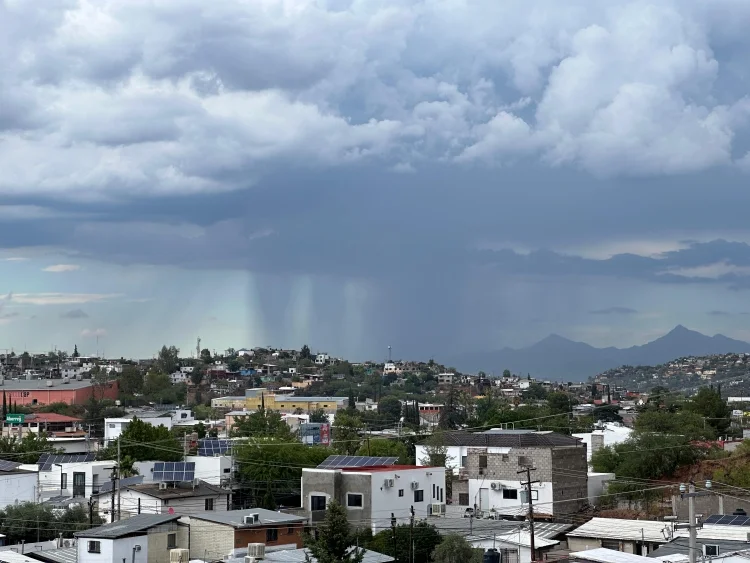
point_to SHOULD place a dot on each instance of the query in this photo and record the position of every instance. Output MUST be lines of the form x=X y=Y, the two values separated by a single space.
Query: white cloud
x=16 y=259
x=93 y=332
x=59 y=268
x=61 y=298
x=116 y=99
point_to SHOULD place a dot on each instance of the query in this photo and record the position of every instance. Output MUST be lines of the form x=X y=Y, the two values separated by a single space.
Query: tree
x=559 y=402
x=389 y=408
x=196 y=377
x=506 y=373
x=131 y=380
x=381 y=447
x=346 y=428
x=75 y=351
x=304 y=353
x=142 y=441
x=453 y=549
x=680 y=423
x=206 y=356
x=319 y=415
x=352 y=405
x=707 y=402
x=30 y=522
x=27 y=449
x=262 y=423
x=425 y=539
x=333 y=542
x=169 y=359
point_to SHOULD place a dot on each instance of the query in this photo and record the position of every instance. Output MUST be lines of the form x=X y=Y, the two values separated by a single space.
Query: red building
x=37 y=392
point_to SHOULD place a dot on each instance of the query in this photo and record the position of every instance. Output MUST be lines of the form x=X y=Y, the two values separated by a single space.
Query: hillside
x=556 y=357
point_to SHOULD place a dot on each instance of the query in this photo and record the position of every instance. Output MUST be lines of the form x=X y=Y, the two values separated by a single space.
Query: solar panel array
x=174 y=471
x=6 y=465
x=46 y=461
x=210 y=447
x=728 y=520
x=335 y=461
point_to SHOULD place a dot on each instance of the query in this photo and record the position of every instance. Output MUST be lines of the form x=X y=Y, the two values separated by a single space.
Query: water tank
x=179 y=555
x=491 y=556
x=256 y=550
x=49 y=383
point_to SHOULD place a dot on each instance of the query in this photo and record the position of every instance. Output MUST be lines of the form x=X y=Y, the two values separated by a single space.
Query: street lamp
x=692 y=526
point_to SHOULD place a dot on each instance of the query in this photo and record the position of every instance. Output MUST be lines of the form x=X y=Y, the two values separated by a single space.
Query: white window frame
x=362 y=500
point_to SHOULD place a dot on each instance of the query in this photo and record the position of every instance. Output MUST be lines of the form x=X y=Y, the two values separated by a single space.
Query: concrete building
x=231 y=402
x=371 y=494
x=214 y=470
x=255 y=398
x=144 y=538
x=224 y=534
x=17 y=484
x=491 y=461
x=38 y=392
x=606 y=434
x=77 y=478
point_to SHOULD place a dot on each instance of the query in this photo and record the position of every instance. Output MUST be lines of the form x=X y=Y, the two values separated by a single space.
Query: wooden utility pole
x=393 y=528
x=528 y=483
x=411 y=535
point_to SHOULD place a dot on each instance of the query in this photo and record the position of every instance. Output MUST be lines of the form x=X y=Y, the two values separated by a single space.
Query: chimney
x=597 y=442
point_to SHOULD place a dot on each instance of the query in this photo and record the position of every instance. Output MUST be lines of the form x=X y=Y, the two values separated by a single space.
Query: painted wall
x=20 y=487
x=480 y=490
x=114 y=551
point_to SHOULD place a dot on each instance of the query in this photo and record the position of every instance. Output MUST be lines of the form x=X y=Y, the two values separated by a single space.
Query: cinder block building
x=494 y=458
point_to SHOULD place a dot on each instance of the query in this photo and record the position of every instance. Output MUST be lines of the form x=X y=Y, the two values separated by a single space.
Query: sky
x=439 y=176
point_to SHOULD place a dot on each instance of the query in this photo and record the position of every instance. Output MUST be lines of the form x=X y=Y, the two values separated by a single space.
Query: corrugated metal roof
x=13 y=557
x=300 y=556
x=621 y=529
x=680 y=547
x=718 y=532
x=508 y=439
x=134 y=524
x=481 y=527
x=62 y=555
x=603 y=555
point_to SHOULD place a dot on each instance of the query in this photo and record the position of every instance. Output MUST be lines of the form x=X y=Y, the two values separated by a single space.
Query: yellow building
x=254 y=398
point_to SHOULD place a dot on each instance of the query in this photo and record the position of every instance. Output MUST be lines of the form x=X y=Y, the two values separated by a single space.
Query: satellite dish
x=171 y=510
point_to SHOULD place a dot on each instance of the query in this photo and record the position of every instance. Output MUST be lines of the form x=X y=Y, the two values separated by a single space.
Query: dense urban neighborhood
x=285 y=455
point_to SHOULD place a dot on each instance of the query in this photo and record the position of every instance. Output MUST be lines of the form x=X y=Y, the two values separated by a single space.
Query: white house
x=160 y=498
x=607 y=434
x=143 y=538
x=17 y=484
x=214 y=470
x=371 y=494
x=79 y=477
x=179 y=377
x=114 y=427
x=322 y=359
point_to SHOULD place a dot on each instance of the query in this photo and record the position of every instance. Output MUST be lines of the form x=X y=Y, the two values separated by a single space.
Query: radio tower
x=198 y=348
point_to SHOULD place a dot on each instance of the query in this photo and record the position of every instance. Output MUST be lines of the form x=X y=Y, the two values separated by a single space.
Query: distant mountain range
x=556 y=357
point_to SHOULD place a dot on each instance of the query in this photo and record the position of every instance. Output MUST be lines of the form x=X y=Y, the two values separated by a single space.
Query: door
x=79 y=484
x=484 y=499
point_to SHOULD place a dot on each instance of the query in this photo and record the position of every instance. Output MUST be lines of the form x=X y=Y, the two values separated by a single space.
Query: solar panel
x=6 y=465
x=210 y=447
x=174 y=471
x=46 y=461
x=728 y=520
x=336 y=461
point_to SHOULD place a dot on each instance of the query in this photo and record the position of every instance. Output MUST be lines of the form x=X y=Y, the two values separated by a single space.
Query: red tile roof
x=50 y=417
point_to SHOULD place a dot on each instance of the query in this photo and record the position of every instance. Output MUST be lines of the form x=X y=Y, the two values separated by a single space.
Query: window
x=510 y=493
x=463 y=499
x=524 y=461
x=209 y=504
x=289 y=531
x=227 y=469
x=171 y=541
x=317 y=502
x=34 y=401
x=63 y=480
x=272 y=534
x=463 y=461
x=94 y=547
x=354 y=500
x=441 y=494
x=482 y=462
x=401 y=492
x=79 y=484
x=505 y=457
x=111 y=425
x=434 y=491
x=711 y=550
x=419 y=496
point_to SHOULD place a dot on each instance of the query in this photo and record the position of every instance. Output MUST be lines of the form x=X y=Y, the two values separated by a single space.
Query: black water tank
x=491 y=556
x=739 y=512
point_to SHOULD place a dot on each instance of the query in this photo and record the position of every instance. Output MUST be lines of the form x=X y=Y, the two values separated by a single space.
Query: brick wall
x=569 y=479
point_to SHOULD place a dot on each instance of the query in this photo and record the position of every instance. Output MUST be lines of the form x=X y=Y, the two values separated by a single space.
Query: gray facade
x=336 y=484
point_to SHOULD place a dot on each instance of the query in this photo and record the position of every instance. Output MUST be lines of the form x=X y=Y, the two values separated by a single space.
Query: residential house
x=374 y=490
x=72 y=476
x=213 y=464
x=17 y=484
x=638 y=537
x=222 y=534
x=605 y=434
x=322 y=359
x=161 y=497
x=255 y=398
x=230 y=402
x=142 y=538
x=114 y=427
x=492 y=460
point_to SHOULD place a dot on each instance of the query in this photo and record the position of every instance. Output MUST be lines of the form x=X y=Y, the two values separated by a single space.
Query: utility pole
x=119 y=472
x=692 y=525
x=112 y=478
x=528 y=483
x=411 y=535
x=393 y=529
x=367 y=434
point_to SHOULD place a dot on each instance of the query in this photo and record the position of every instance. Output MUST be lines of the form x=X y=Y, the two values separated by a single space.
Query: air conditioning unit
x=256 y=550
x=494 y=486
x=414 y=485
x=388 y=483
x=162 y=486
x=49 y=383
x=179 y=555
x=438 y=508
x=250 y=519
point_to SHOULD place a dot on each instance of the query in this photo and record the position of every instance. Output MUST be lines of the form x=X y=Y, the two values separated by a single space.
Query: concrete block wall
x=506 y=466
x=209 y=540
x=569 y=479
